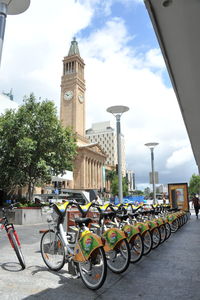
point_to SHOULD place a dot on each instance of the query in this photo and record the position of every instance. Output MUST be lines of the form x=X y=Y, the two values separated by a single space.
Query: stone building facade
x=103 y=134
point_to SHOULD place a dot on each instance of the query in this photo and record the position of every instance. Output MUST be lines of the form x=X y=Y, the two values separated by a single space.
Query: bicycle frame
x=86 y=241
x=113 y=236
x=8 y=226
x=13 y=237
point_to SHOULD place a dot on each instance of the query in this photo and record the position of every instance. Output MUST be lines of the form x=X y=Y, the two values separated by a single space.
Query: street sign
x=151 y=179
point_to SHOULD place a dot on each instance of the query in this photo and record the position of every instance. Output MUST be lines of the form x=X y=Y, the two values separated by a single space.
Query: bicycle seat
x=173 y=209
x=122 y=217
x=81 y=221
x=144 y=213
x=156 y=213
x=133 y=214
x=84 y=208
x=108 y=214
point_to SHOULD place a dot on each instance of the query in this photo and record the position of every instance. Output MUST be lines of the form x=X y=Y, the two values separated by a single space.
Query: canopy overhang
x=177 y=27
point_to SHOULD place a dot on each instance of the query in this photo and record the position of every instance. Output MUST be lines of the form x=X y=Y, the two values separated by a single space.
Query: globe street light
x=151 y=146
x=117 y=111
x=10 y=7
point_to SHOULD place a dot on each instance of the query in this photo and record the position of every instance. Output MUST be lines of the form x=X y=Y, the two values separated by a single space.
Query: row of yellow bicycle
x=113 y=238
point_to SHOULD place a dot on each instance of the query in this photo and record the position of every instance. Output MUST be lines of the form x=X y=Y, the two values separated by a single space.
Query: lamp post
x=117 y=111
x=151 y=146
x=10 y=7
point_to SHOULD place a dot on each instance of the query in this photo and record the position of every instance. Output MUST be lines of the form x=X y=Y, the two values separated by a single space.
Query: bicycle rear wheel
x=163 y=233
x=93 y=272
x=174 y=226
x=148 y=242
x=156 y=237
x=136 y=248
x=52 y=250
x=168 y=230
x=14 y=240
x=118 y=259
x=185 y=218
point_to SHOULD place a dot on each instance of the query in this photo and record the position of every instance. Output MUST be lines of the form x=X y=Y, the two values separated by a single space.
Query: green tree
x=33 y=146
x=147 y=191
x=114 y=186
x=194 y=184
x=110 y=175
x=138 y=192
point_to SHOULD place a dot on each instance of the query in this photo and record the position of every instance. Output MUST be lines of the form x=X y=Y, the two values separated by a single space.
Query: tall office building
x=131 y=180
x=103 y=134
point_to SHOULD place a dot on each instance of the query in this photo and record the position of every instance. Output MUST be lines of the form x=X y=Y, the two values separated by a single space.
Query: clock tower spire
x=72 y=103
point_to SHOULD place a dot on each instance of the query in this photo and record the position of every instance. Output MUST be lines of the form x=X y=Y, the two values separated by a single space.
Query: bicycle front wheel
x=136 y=247
x=52 y=250
x=14 y=240
x=118 y=259
x=93 y=272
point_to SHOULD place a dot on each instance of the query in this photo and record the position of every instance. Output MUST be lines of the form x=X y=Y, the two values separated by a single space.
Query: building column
x=85 y=172
x=89 y=173
x=100 y=177
x=93 y=178
x=92 y=174
x=87 y=177
x=95 y=174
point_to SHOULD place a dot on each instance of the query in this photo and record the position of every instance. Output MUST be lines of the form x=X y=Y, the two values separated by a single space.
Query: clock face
x=81 y=98
x=68 y=95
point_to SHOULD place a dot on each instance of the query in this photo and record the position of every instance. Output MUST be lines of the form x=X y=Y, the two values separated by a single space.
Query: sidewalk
x=170 y=272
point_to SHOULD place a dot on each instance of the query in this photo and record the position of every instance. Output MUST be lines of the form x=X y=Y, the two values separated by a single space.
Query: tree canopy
x=194 y=184
x=33 y=145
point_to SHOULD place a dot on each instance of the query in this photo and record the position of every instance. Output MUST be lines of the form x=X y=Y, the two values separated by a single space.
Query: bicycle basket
x=49 y=215
x=54 y=216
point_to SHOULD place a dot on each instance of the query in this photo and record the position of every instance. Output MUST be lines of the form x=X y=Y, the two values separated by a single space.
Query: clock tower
x=72 y=102
x=90 y=159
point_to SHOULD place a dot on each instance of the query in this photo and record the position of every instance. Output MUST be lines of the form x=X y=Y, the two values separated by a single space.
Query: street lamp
x=117 y=111
x=10 y=7
x=151 y=146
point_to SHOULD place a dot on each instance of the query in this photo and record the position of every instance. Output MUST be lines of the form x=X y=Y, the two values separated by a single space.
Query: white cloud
x=179 y=157
x=105 y=42
x=6 y=104
x=154 y=59
x=35 y=43
x=106 y=5
x=116 y=73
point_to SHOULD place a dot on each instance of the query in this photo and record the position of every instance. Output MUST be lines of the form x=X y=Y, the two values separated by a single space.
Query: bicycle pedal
x=76 y=276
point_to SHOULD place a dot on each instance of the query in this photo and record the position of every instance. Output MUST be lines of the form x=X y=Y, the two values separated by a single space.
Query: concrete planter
x=28 y=215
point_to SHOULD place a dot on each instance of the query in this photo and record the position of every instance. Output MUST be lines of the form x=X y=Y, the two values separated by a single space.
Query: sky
x=123 y=66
